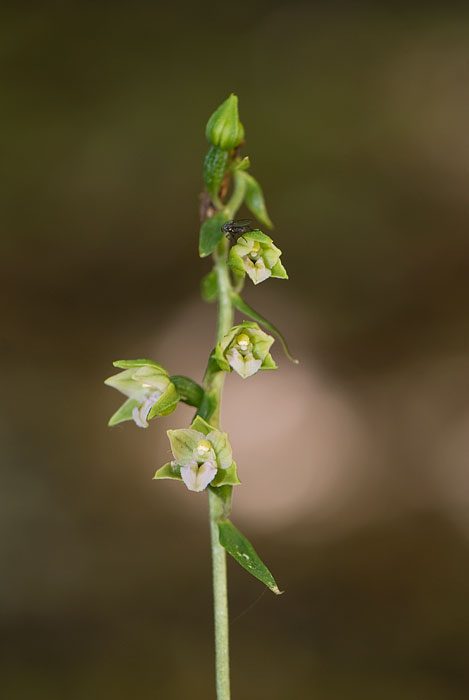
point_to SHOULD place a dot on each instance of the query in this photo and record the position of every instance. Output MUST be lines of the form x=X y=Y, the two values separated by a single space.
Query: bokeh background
x=354 y=464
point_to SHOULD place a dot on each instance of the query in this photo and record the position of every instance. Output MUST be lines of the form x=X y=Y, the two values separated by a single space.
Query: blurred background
x=354 y=463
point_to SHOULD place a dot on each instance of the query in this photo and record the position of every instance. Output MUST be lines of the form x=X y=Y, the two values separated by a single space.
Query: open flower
x=245 y=348
x=256 y=255
x=149 y=388
x=202 y=456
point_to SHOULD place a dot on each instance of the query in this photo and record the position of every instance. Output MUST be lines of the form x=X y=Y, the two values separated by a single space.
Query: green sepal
x=215 y=166
x=255 y=202
x=201 y=425
x=124 y=412
x=209 y=286
x=211 y=233
x=189 y=391
x=258 y=235
x=219 y=357
x=279 y=271
x=167 y=471
x=236 y=263
x=241 y=305
x=166 y=404
x=268 y=362
x=242 y=550
x=207 y=405
x=128 y=364
x=226 y=477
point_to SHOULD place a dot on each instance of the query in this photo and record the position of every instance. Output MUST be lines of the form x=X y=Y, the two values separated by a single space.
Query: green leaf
x=215 y=165
x=189 y=391
x=226 y=477
x=242 y=550
x=211 y=233
x=209 y=286
x=255 y=202
x=241 y=305
x=124 y=412
x=201 y=425
x=168 y=472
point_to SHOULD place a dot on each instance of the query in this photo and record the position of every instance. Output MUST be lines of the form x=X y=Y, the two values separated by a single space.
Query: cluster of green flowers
x=202 y=454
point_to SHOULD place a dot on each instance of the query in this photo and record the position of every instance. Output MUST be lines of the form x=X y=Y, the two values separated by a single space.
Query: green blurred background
x=354 y=464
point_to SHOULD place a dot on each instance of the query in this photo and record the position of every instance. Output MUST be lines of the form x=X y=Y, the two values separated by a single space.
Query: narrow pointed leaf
x=255 y=200
x=242 y=550
x=241 y=305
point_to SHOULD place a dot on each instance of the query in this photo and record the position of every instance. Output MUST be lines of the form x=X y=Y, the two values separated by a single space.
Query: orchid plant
x=202 y=454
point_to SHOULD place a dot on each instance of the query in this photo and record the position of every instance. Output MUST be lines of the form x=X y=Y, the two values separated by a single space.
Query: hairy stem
x=220 y=601
x=220 y=592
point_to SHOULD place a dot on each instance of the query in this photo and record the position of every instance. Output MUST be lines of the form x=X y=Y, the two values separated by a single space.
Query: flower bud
x=224 y=128
x=245 y=348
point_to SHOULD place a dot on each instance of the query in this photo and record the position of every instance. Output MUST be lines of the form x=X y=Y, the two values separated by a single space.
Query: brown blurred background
x=354 y=464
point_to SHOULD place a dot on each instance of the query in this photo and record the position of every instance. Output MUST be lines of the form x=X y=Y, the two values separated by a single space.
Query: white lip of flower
x=198 y=476
x=256 y=269
x=140 y=413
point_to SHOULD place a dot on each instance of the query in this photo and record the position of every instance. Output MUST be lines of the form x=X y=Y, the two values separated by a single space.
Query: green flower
x=256 y=255
x=149 y=388
x=245 y=348
x=202 y=456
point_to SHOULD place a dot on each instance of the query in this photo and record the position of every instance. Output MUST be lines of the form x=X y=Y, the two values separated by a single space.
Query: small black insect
x=235 y=229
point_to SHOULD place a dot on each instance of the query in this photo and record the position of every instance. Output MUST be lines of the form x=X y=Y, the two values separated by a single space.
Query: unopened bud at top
x=224 y=128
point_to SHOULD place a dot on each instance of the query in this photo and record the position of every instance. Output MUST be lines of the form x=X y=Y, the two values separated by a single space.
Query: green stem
x=220 y=601
x=214 y=382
